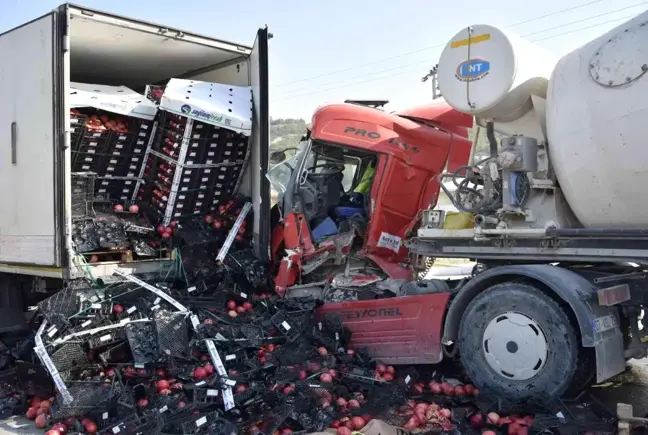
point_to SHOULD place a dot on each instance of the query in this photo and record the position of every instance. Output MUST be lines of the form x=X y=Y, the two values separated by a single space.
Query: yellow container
x=458 y=220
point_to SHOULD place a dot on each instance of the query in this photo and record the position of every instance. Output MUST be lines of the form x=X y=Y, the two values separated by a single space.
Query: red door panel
x=403 y=330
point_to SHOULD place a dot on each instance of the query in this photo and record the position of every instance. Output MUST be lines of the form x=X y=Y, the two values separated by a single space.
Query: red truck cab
x=347 y=200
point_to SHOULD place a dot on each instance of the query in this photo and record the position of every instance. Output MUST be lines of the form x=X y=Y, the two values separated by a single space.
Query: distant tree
x=286 y=132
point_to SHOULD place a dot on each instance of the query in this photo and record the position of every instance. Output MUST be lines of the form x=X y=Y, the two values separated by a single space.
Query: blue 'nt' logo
x=473 y=69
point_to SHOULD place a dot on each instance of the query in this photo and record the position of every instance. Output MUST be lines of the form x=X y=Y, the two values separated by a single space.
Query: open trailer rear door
x=31 y=132
x=260 y=142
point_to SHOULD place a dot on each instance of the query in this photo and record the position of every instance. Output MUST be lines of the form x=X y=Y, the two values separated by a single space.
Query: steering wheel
x=329 y=169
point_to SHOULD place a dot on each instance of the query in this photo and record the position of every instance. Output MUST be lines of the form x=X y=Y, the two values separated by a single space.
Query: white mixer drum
x=492 y=74
x=597 y=123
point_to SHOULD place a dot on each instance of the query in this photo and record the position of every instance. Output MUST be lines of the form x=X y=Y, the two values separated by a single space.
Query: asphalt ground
x=630 y=387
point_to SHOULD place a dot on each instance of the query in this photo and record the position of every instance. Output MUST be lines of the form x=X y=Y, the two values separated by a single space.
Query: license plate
x=605 y=323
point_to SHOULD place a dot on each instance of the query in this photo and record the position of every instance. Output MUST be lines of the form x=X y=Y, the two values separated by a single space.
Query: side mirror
x=277 y=157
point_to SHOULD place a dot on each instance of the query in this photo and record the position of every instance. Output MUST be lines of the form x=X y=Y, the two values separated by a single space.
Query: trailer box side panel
x=260 y=143
x=29 y=219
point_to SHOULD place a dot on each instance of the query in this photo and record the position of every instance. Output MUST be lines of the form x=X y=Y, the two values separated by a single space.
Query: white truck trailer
x=76 y=44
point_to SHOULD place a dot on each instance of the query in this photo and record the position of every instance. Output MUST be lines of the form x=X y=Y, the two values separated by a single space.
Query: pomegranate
x=341 y=402
x=322 y=350
x=343 y=430
x=53 y=431
x=391 y=369
x=326 y=377
x=469 y=389
x=31 y=413
x=353 y=404
x=357 y=422
x=435 y=387
x=119 y=208
x=444 y=412
x=240 y=388
x=381 y=368
x=302 y=375
x=209 y=219
x=412 y=423
x=513 y=428
x=200 y=373
x=209 y=369
x=118 y=309
x=162 y=385
x=142 y=403
x=231 y=305
x=493 y=418
x=232 y=313
x=90 y=427
x=459 y=391
x=134 y=208
x=240 y=309
x=489 y=432
x=418 y=387
x=41 y=421
x=247 y=306
x=477 y=420
x=388 y=376
x=448 y=390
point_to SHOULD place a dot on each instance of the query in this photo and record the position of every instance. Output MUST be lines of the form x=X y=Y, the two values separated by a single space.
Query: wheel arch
x=568 y=286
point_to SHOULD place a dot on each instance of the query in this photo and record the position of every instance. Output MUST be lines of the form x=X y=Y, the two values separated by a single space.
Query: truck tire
x=517 y=342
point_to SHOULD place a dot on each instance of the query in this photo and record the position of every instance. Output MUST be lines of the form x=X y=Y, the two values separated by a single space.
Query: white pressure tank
x=493 y=75
x=597 y=121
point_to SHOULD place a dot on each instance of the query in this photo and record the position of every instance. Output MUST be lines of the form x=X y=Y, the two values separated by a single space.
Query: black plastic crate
x=77 y=128
x=93 y=141
x=88 y=162
x=123 y=165
x=230 y=151
x=115 y=187
x=118 y=159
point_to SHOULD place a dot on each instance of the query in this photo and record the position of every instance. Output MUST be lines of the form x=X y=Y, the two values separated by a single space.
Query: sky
x=329 y=51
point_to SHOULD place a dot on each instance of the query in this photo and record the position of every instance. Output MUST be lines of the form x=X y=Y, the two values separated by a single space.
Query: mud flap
x=610 y=360
x=11 y=305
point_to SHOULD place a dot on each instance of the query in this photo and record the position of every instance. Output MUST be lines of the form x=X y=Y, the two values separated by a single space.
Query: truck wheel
x=517 y=342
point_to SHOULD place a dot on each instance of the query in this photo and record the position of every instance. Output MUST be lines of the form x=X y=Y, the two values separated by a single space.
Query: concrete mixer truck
x=555 y=216
x=559 y=209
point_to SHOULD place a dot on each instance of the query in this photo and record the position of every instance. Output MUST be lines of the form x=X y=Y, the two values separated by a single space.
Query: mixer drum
x=597 y=123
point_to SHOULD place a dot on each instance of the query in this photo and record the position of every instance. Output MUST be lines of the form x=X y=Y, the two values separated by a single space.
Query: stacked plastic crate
x=192 y=167
x=111 y=129
x=124 y=159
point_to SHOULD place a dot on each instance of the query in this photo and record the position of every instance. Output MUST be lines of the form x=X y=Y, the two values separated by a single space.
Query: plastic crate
x=93 y=141
x=83 y=195
x=88 y=162
x=115 y=188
